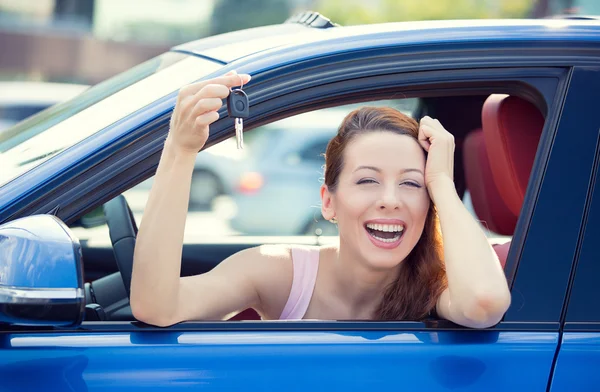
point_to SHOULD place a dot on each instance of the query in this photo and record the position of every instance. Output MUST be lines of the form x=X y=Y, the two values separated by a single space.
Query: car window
x=274 y=189
x=42 y=136
x=247 y=197
x=282 y=156
x=271 y=188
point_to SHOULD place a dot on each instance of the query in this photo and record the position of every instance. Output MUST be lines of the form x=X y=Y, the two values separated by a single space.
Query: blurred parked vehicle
x=215 y=174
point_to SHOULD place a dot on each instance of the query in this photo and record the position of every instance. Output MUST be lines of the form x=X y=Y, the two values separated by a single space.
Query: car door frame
x=578 y=355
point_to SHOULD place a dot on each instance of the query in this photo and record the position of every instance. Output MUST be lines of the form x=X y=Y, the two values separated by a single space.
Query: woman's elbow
x=142 y=313
x=487 y=310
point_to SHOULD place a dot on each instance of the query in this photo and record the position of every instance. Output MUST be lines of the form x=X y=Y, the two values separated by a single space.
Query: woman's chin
x=384 y=254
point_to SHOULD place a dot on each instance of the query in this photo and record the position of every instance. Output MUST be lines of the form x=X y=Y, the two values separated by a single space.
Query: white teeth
x=388 y=228
x=386 y=239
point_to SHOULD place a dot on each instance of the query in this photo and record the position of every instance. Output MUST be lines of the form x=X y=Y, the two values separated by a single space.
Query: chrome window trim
x=12 y=294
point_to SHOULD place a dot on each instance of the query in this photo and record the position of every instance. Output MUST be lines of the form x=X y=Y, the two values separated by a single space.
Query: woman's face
x=381 y=201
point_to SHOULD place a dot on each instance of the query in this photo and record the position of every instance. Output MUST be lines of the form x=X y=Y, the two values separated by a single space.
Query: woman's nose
x=389 y=198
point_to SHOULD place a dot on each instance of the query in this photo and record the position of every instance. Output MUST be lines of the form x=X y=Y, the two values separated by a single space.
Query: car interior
x=496 y=140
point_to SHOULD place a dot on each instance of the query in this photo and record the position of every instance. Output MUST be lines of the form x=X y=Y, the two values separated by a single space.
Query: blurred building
x=87 y=41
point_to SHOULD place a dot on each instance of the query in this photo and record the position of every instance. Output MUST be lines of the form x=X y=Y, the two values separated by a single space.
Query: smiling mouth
x=385 y=233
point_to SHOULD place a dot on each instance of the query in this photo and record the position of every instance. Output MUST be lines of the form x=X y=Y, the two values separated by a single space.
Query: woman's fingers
x=197 y=107
x=431 y=130
x=206 y=105
x=424 y=135
x=208 y=98
x=206 y=119
x=213 y=90
x=439 y=143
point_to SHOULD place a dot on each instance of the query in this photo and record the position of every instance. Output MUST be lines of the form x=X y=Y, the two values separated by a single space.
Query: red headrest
x=487 y=203
x=511 y=129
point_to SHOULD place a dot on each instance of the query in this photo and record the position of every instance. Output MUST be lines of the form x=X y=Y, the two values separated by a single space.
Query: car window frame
x=442 y=324
x=582 y=312
x=573 y=132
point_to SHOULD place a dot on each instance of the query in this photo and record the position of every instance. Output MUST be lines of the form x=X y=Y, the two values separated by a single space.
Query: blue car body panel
x=578 y=362
x=172 y=361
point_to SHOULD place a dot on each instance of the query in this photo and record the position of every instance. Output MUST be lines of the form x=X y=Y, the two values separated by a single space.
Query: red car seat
x=498 y=159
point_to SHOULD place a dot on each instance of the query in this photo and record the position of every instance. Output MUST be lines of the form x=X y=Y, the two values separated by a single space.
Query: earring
x=333 y=220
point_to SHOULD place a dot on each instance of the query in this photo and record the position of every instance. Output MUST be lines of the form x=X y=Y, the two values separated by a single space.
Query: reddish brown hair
x=422 y=276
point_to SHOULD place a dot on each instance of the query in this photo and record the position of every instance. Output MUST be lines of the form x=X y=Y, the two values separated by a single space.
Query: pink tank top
x=306 y=265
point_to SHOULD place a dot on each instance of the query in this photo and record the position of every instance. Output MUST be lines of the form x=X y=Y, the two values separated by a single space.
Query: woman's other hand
x=439 y=143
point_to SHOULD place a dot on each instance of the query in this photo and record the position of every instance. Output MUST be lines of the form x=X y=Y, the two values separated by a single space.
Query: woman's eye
x=411 y=184
x=366 y=181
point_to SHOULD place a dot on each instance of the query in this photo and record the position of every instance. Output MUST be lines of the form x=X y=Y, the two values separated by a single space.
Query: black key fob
x=237 y=104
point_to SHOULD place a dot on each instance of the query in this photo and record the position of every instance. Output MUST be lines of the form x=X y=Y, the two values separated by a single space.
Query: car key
x=238 y=108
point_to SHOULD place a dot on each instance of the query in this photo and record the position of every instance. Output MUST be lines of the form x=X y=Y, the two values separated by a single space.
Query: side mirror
x=41 y=273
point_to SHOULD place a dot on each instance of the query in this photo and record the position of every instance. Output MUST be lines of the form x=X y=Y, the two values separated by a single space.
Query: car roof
x=232 y=46
x=36 y=93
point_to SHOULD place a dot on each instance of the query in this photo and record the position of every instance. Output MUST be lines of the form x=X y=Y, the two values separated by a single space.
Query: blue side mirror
x=41 y=273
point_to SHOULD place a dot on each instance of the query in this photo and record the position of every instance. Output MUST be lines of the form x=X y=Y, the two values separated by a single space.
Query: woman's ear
x=327 y=209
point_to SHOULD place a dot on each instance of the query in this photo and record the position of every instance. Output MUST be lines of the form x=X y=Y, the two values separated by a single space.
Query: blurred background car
x=19 y=100
x=216 y=173
x=278 y=192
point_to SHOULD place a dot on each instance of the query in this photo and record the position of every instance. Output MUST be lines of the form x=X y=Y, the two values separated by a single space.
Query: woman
x=387 y=179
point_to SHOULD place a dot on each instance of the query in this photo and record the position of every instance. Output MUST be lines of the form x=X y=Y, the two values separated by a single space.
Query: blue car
x=520 y=98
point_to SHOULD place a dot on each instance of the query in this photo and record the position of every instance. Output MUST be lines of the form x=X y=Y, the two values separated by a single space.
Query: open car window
x=281 y=161
x=270 y=189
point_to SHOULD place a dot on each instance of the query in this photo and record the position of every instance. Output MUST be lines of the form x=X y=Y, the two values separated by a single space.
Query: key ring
x=241 y=84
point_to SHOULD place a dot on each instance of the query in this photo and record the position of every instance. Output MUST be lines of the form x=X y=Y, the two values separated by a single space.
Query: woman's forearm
x=476 y=282
x=157 y=260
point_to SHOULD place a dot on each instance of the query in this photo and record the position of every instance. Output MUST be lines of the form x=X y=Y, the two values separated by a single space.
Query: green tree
x=346 y=12
x=231 y=15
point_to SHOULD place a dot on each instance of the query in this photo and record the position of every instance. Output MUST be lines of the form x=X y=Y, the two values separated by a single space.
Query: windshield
x=42 y=136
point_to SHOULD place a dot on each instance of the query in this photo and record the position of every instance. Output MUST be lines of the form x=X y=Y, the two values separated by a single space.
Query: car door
x=578 y=360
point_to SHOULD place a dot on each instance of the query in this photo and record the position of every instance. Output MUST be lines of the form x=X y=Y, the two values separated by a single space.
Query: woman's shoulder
x=265 y=263
x=272 y=270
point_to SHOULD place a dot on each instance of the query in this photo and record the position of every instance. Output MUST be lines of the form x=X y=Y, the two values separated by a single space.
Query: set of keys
x=238 y=108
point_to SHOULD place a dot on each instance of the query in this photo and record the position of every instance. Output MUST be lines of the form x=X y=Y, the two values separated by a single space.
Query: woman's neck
x=352 y=282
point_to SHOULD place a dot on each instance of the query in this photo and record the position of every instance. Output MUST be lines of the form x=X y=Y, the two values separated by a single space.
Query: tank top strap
x=306 y=266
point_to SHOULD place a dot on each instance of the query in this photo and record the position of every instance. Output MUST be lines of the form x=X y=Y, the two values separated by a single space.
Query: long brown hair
x=421 y=276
